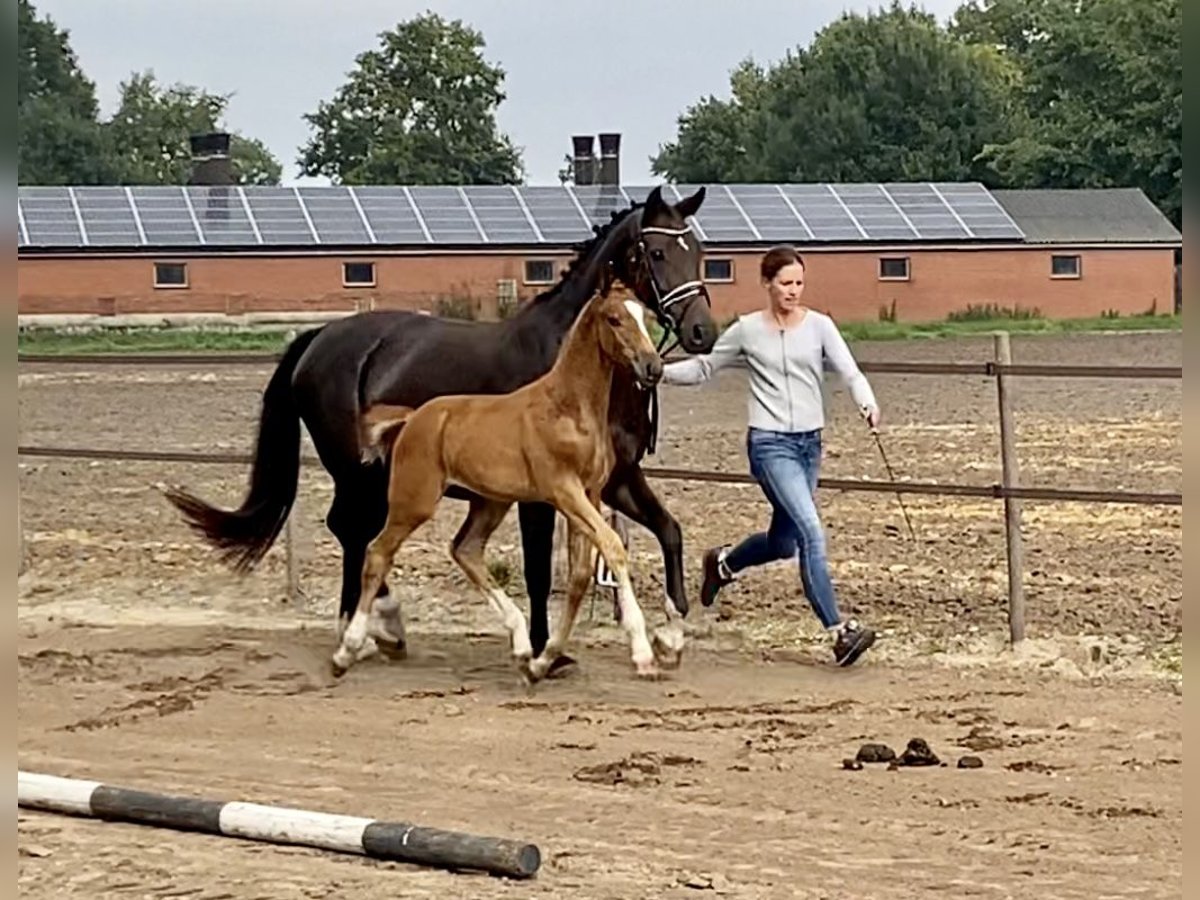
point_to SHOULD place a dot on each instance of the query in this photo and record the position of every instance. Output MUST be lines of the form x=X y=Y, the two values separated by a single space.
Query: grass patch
x=150 y=340
x=1032 y=324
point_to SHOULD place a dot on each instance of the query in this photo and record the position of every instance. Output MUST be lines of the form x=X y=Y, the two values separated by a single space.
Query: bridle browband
x=663 y=304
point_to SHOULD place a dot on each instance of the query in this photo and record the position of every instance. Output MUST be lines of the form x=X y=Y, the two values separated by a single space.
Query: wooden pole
x=399 y=841
x=1012 y=507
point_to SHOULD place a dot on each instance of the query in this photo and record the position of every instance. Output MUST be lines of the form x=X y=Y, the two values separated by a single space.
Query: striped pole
x=397 y=841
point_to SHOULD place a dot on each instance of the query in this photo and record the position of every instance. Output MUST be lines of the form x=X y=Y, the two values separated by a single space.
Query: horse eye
x=614 y=321
x=657 y=254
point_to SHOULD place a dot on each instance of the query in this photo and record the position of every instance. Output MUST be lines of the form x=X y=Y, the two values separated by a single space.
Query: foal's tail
x=244 y=535
x=378 y=428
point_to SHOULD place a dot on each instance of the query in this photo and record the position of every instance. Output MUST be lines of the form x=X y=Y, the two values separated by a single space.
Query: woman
x=786 y=347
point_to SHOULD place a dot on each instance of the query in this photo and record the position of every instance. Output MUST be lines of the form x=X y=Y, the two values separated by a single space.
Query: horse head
x=662 y=263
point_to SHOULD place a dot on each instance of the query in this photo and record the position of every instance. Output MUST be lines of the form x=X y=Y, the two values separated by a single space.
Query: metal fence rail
x=990 y=492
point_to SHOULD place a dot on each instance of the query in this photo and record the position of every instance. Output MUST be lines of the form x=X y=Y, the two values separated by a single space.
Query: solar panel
x=108 y=217
x=279 y=216
x=826 y=217
x=773 y=214
x=979 y=210
x=172 y=216
x=447 y=215
x=392 y=215
x=165 y=216
x=221 y=214
x=559 y=218
x=502 y=214
x=600 y=201
x=50 y=217
x=334 y=215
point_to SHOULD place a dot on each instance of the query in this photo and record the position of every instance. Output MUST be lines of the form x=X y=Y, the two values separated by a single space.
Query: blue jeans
x=786 y=466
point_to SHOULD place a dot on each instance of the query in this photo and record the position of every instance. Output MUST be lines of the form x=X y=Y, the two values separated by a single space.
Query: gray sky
x=614 y=65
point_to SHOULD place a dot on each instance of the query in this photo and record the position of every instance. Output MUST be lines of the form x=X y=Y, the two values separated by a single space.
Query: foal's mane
x=583 y=250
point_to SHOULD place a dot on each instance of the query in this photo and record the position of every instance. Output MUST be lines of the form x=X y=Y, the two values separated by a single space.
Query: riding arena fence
x=1001 y=369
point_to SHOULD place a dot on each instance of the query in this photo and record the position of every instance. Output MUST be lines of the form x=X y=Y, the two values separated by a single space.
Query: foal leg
x=413 y=502
x=467 y=549
x=581 y=563
x=582 y=513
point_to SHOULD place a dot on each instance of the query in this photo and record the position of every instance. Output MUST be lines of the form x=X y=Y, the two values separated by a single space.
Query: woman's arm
x=698 y=369
x=841 y=361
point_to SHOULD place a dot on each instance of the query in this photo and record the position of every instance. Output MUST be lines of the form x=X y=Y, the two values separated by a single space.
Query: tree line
x=1013 y=93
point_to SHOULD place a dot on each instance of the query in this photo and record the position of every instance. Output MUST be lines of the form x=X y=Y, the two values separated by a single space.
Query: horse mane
x=583 y=250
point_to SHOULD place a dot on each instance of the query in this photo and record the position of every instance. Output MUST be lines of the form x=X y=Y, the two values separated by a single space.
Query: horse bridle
x=676 y=295
x=663 y=303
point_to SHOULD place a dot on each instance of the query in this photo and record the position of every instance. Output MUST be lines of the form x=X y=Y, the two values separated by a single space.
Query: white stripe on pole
x=297 y=826
x=67 y=795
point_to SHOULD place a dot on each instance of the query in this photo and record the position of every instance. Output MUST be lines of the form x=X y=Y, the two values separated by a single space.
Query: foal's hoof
x=668 y=647
x=337 y=669
x=648 y=671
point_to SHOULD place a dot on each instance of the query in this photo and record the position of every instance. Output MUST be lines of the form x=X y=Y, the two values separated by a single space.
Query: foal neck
x=582 y=375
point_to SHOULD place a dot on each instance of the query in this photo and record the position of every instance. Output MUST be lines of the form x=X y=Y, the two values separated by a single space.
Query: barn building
x=915 y=251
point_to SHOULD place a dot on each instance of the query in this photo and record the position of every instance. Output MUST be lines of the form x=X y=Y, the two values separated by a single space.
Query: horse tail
x=378 y=428
x=244 y=535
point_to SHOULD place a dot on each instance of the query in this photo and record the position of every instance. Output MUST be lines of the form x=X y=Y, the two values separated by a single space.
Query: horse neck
x=551 y=316
x=582 y=375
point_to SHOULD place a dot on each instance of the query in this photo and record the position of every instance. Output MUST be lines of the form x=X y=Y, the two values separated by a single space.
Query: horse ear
x=688 y=205
x=654 y=204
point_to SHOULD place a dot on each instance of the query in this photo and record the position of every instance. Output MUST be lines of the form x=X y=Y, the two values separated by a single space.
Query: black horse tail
x=244 y=535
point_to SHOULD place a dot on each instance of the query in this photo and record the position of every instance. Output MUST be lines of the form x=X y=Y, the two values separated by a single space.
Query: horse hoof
x=561 y=662
x=337 y=669
x=648 y=671
x=392 y=649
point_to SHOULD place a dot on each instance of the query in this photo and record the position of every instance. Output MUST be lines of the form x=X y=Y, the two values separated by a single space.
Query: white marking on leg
x=386 y=622
x=352 y=641
x=514 y=621
x=639 y=315
x=634 y=622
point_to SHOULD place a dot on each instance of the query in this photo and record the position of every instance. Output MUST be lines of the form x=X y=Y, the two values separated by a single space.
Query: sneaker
x=852 y=641
x=713 y=579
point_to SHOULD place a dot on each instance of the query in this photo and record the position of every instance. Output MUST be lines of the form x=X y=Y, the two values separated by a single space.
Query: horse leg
x=581 y=563
x=537 y=549
x=467 y=549
x=581 y=510
x=629 y=493
x=413 y=503
x=357 y=514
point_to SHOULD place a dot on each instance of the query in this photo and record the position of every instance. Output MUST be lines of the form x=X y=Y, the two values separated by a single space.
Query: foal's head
x=621 y=329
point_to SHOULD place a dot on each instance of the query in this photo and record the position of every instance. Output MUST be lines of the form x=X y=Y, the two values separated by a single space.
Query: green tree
x=1102 y=91
x=889 y=95
x=59 y=138
x=421 y=108
x=149 y=134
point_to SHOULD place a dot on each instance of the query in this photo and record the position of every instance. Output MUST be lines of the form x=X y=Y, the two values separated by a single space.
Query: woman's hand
x=871 y=414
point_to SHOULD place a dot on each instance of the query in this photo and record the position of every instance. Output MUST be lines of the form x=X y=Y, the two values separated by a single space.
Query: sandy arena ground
x=143 y=663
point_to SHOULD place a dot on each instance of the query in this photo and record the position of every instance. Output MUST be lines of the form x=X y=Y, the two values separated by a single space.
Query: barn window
x=170 y=275
x=1062 y=266
x=718 y=270
x=539 y=271
x=358 y=274
x=893 y=268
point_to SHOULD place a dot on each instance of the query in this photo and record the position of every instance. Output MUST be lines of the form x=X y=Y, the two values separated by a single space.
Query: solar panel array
x=196 y=216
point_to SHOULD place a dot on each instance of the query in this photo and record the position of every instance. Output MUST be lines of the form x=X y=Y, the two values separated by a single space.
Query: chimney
x=211 y=164
x=584 y=159
x=610 y=159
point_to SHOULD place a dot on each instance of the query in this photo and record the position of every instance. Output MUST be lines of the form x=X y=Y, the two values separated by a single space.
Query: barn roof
x=476 y=216
x=312 y=218
x=1087 y=215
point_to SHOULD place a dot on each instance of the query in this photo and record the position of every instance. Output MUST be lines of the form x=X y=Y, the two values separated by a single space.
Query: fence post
x=1012 y=507
x=294 y=594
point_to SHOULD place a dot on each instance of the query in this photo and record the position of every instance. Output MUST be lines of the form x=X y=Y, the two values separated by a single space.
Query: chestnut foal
x=548 y=442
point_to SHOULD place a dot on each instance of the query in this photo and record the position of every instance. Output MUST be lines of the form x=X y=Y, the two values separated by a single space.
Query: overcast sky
x=571 y=67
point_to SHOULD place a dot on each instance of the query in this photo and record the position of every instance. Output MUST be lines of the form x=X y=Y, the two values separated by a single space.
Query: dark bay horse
x=548 y=441
x=328 y=375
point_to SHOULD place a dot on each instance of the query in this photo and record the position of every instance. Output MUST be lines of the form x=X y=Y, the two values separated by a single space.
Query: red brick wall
x=845 y=283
